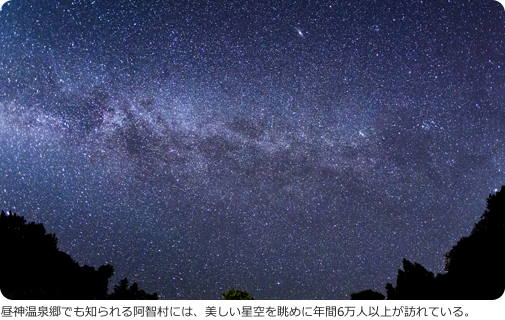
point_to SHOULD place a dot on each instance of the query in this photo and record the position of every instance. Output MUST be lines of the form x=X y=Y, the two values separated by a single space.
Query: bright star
x=2 y=2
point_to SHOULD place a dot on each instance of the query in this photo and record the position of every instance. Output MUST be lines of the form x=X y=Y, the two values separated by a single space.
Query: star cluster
x=295 y=150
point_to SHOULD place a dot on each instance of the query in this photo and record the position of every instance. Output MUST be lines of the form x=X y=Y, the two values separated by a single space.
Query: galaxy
x=292 y=149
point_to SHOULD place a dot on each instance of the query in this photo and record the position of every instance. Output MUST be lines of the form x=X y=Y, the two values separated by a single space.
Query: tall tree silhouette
x=34 y=268
x=475 y=264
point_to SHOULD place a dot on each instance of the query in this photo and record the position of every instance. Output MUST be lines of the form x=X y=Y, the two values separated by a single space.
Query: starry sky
x=292 y=149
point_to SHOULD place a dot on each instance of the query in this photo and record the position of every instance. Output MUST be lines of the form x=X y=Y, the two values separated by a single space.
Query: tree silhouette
x=475 y=264
x=124 y=292
x=412 y=283
x=36 y=269
x=237 y=295
x=367 y=295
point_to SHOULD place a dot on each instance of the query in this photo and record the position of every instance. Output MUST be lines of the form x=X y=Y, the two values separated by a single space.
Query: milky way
x=293 y=150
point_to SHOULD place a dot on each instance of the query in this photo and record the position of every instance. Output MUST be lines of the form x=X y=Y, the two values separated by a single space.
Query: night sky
x=294 y=149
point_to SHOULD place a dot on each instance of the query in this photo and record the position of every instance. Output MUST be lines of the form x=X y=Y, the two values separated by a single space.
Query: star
x=227 y=145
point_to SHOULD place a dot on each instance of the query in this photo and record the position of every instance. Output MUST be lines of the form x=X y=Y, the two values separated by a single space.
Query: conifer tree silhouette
x=414 y=282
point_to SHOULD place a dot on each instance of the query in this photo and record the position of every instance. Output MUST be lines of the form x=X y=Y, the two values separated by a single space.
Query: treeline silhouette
x=474 y=265
x=34 y=268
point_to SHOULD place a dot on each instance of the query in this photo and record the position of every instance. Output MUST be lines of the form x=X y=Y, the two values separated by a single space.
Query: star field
x=294 y=150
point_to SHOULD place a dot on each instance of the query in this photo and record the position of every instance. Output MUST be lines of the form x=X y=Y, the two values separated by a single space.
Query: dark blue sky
x=295 y=149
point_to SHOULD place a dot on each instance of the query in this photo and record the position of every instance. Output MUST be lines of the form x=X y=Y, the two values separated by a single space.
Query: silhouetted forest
x=474 y=265
x=36 y=269
x=33 y=268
